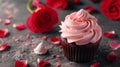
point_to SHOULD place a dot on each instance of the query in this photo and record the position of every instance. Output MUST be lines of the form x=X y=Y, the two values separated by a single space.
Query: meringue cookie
x=40 y=49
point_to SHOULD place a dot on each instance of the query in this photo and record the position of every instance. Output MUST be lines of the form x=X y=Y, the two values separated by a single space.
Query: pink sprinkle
x=9 y=17
x=28 y=36
x=44 y=37
x=8 y=12
x=33 y=46
x=60 y=46
x=1 y=20
x=58 y=56
x=7 y=22
x=58 y=64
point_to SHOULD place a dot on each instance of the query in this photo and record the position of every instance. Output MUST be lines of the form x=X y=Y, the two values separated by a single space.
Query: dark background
x=18 y=51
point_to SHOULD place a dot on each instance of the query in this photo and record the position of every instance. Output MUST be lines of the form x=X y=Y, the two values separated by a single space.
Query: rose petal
x=96 y=64
x=3 y=32
x=111 y=57
x=7 y=22
x=42 y=63
x=89 y=8
x=109 y=34
x=55 y=40
x=44 y=37
x=21 y=63
x=58 y=64
x=114 y=45
x=3 y=46
x=76 y=1
x=19 y=26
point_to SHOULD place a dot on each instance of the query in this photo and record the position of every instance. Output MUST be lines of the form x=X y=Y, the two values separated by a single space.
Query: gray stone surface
x=18 y=50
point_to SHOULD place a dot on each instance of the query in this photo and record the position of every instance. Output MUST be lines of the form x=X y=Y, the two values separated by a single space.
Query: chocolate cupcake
x=81 y=36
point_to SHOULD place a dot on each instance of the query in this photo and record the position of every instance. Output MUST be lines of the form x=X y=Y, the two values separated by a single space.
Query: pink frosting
x=80 y=27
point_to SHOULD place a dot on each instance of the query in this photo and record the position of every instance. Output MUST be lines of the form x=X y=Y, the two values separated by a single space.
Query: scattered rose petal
x=114 y=45
x=3 y=32
x=28 y=36
x=3 y=46
x=109 y=34
x=89 y=8
x=7 y=22
x=21 y=63
x=19 y=26
x=58 y=64
x=112 y=57
x=44 y=37
x=58 y=56
x=96 y=64
x=8 y=12
x=55 y=40
x=43 y=63
x=76 y=1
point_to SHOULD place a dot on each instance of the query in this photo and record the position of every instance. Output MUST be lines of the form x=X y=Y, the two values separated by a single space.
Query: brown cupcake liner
x=80 y=53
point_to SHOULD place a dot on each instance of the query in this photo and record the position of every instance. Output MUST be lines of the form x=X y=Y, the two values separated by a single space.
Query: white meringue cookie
x=40 y=49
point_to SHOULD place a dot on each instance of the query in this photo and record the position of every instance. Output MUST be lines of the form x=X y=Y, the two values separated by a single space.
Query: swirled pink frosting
x=80 y=27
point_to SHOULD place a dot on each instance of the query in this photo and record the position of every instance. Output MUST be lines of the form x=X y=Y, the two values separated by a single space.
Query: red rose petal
x=76 y=1
x=109 y=34
x=55 y=40
x=111 y=57
x=3 y=32
x=21 y=63
x=7 y=21
x=44 y=37
x=89 y=8
x=42 y=63
x=19 y=26
x=114 y=45
x=96 y=64
x=3 y=46
x=61 y=4
x=58 y=64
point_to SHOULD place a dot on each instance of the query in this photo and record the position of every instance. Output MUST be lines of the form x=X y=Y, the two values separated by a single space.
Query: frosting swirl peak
x=80 y=27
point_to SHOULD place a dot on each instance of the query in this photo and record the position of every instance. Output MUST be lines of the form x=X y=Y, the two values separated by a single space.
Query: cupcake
x=80 y=36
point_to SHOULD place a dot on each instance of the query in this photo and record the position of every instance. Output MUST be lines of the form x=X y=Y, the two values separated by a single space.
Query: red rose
x=111 y=9
x=42 y=20
x=62 y=4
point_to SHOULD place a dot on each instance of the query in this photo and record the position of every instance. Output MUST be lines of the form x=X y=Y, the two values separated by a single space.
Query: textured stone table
x=18 y=50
